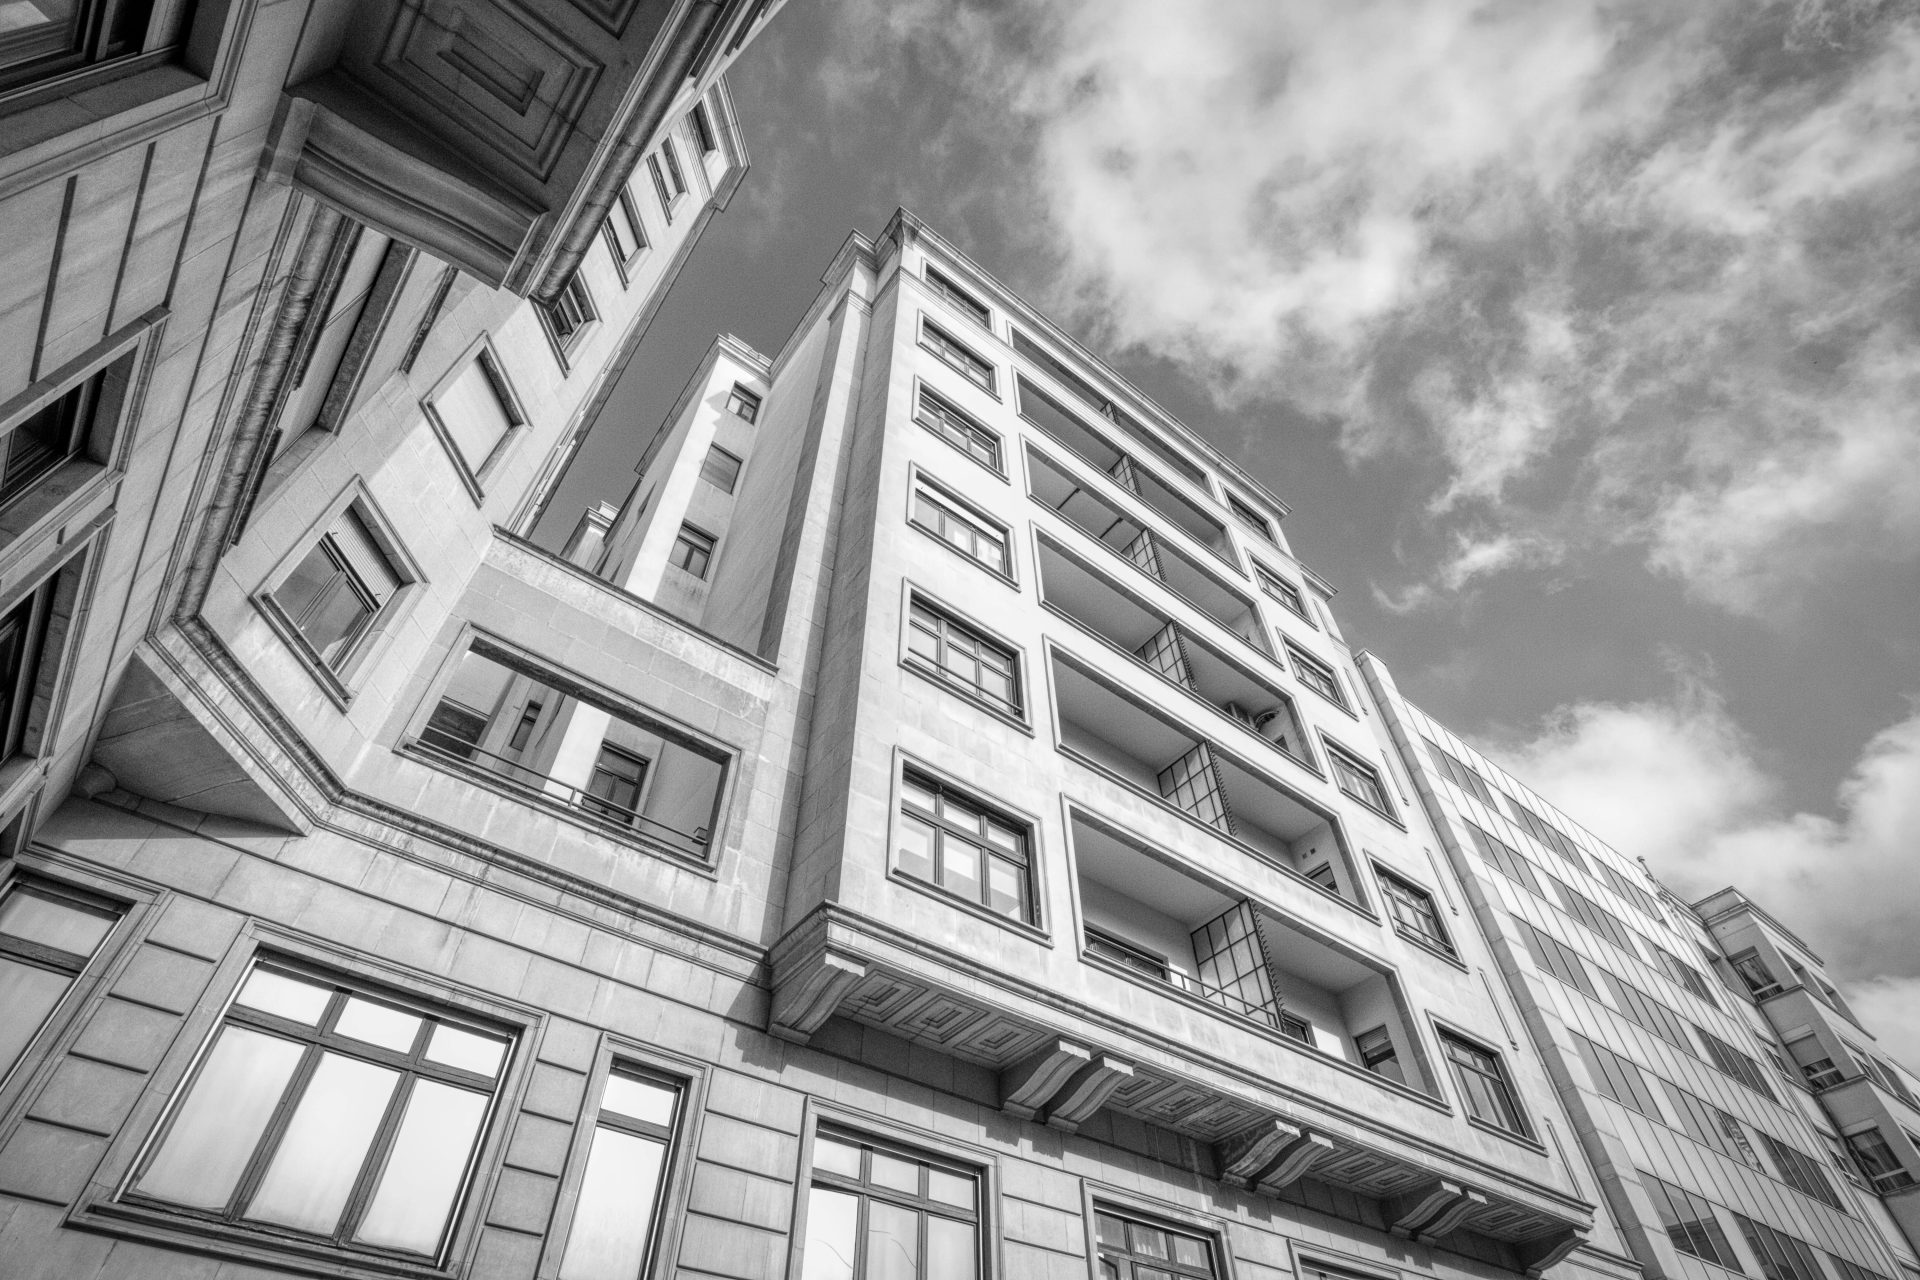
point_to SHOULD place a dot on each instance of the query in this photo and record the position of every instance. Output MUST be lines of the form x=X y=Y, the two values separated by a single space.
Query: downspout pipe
x=679 y=62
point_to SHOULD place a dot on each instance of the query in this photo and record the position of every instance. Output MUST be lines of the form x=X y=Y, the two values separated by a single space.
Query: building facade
x=933 y=827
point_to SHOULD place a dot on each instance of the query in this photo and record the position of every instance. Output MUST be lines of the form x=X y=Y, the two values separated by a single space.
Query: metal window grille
x=1192 y=782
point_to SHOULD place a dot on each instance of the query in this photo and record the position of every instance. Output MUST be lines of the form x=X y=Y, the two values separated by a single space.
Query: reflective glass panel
x=52 y=922
x=836 y=1156
x=28 y=994
x=291 y=998
x=221 y=1121
x=833 y=1222
x=454 y=1047
x=892 y=1171
x=613 y=1218
x=950 y=1188
x=643 y=1100
x=380 y=1024
x=417 y=1188
x=314 y=1168
x=951 y=1252
x=893 y=1242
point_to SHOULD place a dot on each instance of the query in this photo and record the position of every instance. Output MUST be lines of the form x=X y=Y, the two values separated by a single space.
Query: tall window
x=1690 y=1222
x=947 y=648
x=337 y=590
x=51 y=434
x=692 y=551
x=1876 y=1159
x=720 y=469
x=1619 y=1078
x=660 y=187
x=1557 y=958
x=48 y=934
x=1735 y=1063
x=1379 y=1054
x=1484 y=1088
x=572 y=311
x=1800 y=1171
x=329 y=1111
x=617 y=1215
x=38 y=40
x=943 y=344
x=1463 y=775
x=626 y=235
x=877 y=1212
x=671 y=154
x=1358 y=779
x=1244 y=512
x=1781 y=1256
x=940 y=416
x=703 y=129
x=1316 y=675
x=1754 y=972
x=967 y=533
x=1414 y=913
x=476 y=412
x=968 y=305
x=614 y=786
x=1712 y=1127
x=1280 y=589
x=952 y=840
x=743 y=404
x=1131 y=1249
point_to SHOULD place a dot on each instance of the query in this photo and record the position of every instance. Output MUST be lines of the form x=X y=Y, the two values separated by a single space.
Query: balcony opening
x=1098 y=401
x=1162 y=645
x=1053 y=487
x=610 y=768
x=1115 y=733
x=1145 y=915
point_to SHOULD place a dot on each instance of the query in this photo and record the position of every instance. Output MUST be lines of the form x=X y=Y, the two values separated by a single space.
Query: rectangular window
x=720 y=469
x=333 y=595
x=943 y=344
x=942 y=417
x=969 y=534
x=879 y=1212
x=660 y=187
x=671 y=155
x=743 y=404
x=617 y=1214
x=1243 y=512
x=1547 y=834
x=50 y=38
x=1822 y=1073
x=476 y=412
x=1710 y=1126
x=523 y=731
x=703 y=129
x=571 y=312
x=1108 y=947
x=692 y=552
x=1506 y=859
x=1482 y=1080
x=1686 y=975
x=1592 y=915
x=1800 y=1171
x=1690 y=1222
x=1379 y=1054
x=626 y=235
x=1754 y=972
x=1316 y=675
x=1852 y=1270
x=1619 y=1078
x=48 y=934
x=1131 y=1249
x=1414 y=913
x=330 y=1111
x=614 y=786
x=1781 y=1256
x=1558 y=959
x=1461 y=774
x=948 y=649
x=968 y=305
x=52 y=433
x=1735 y=1063
x=1876 y=1159
x=1280 y=589
x=1648 y=1013
x=1323 y=876
x=1358 y=779
x=950 y=839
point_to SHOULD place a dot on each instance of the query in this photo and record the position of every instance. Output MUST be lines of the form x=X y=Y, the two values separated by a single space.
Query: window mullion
x=375 y=1159
x=38 y=953
x=263 y=1153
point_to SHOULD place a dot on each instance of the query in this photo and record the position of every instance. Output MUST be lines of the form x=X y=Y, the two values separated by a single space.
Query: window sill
x=1373 y=808
x=994 y=709
x=252 y=1247
x=1428 y=945
x=1519 y=1139
x=1031 y=932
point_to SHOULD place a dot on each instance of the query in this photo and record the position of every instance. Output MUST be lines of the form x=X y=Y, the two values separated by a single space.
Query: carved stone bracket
x=1451 y=1217
x=806 y=997
x=1535 y=1256
x=1409 y=1213
x=1027 y=1086
x=1246 y=1153
x=1089 y=1087
x=1296 y=1159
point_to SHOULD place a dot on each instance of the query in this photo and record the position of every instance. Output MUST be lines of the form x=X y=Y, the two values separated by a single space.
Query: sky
x=1583 y=340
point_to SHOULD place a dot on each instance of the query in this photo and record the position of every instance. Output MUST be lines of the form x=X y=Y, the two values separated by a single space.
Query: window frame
x=743 y=395
x=706 y=463
x=1277 y=586
x=700 y=121
x=1131 y=1217
x=1717 y=1238
x=967 y=513
x=1123 y=1202
x=1439 y=939
x=1018 y=710
x=1299 y=660
x=945 y=287
x=934 y=339
x=566 y=341
x=1450 y=1036
x=92 y=893
x=1339 y=755
x=628 y=209
x=973 y=428
x=710 y=550
x=660 y=188
x=480 y=350
x=1250 y=517
x=1034 y=922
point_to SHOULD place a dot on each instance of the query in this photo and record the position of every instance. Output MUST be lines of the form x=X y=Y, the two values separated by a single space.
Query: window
x=1710 y=1126
x=878 y=1212
x=1358 y=779
x=1648 y=1013
x=703 y=129
x=1280 y=589
x=1413 y=912
x=523 y=731
x=1735 y=1063
x=571 y=312
x=1506 y=859
x=1852 y=1270
x=1820 y=1070
x=967 y=533
x=1592 y=916
x=48 y=933
x=743 y=404
x=337 y=590
x=475 y=412
x=1243 y=512
x=720 y=469
x=1686 y=975
x=1781 y=1256
x=1557 y=958
x=671 y=155
x=1379 y=1054
x=40 y=40
x=1690 y=1222
x=613 y=788
x=952 y=840
x=1619 y=1078
x=692 y=551
x=1547 y=834
x=1316 y=675
x=1800 y=1171
x=1134 y=1250
x=939 y=415
x=974 y=309
x=1296 y=1028
x=626 y=236
x=1107 y=947
x=948 y=649
x=660 y=187
x=329 y=1111
x=1323 y=876
x=966 y=363
x=1754 y=972
x=1876 y=1159
x=1461 y=774
x=49 y=435
x=1482 y=1081
x=617 y=1213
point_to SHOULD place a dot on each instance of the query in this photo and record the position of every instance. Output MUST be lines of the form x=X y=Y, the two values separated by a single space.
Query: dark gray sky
x=1584 y=342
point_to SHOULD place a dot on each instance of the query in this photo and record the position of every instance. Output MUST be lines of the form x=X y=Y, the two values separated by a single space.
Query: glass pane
x=951 y=1252
x=454 y=1047
x=52 y=922
x=28 y=994
x=221 y=1120
x=1003 y=887
x=416 y=1190
x=291 y=998
x=963 y=869
x=334 y=620
x=833 y=1221
x=641 y=1099
x=894 y=1173
x=614 y=1216
x=380 y=1024
x=1146 y=1241
x=1189 y=1252
x=835 y=1156
x=950 y=1188
x=916 y=848
x=1110 y=1230
x=893 y=1242
x=471 y=411
x=319 y=1159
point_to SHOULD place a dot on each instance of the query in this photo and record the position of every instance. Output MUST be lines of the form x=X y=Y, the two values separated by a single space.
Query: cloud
x=1613 y=274
x=1474 y=556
